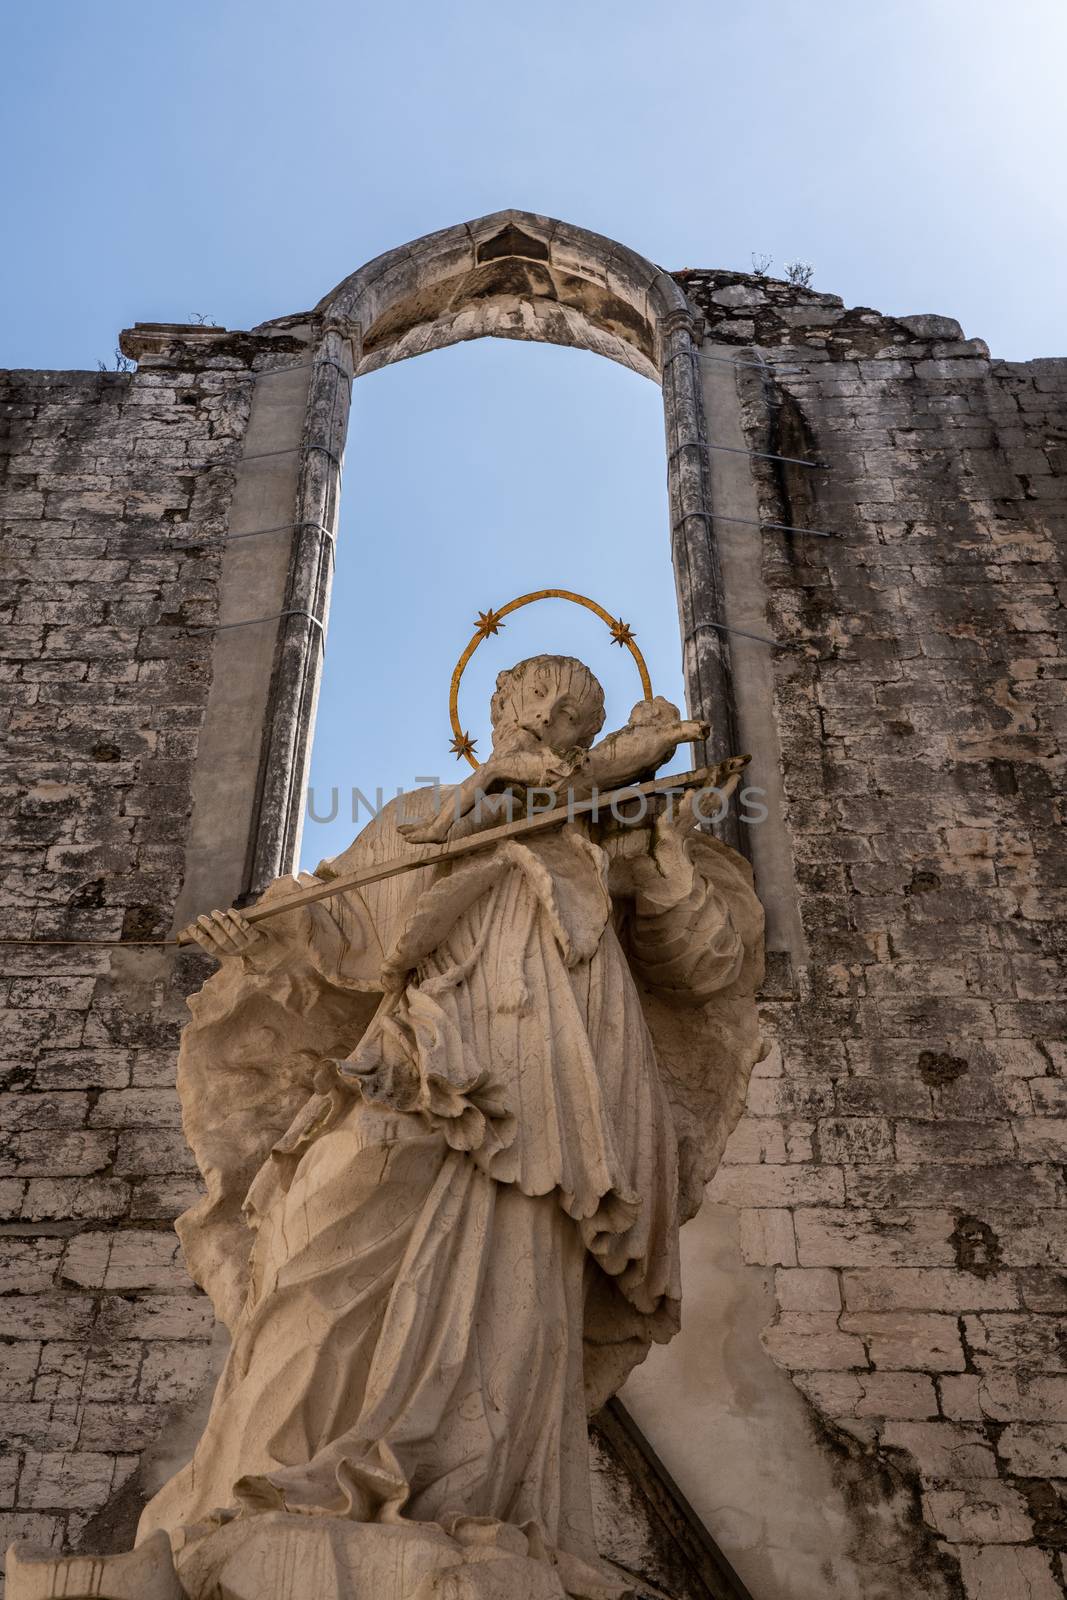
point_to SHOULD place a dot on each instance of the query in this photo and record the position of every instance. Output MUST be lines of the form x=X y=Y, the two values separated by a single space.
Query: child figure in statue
x=543 y=727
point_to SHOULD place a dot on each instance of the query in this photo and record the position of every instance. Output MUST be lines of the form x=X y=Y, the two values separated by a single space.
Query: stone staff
x=716 y=777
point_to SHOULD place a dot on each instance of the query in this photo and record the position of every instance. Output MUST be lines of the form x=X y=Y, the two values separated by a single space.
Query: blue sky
x=237 y=159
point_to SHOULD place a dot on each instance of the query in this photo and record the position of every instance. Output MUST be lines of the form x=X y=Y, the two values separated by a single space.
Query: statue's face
x=553 y=709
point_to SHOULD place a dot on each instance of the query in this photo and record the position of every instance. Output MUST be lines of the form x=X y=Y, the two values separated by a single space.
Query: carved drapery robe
x=465 y=1195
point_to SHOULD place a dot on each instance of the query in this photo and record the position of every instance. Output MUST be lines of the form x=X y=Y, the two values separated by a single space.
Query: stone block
x=83 y=1069
x=992 y=1513
x=46 y=1316
x=1041 y=1138
x=1008 y=1396
x=119 y=1427
x=156 y=1316
x=812 y=1341
x=855 y=1140
x=928 y=326
x=28 y=1266
x=808 y=1289
x=136 y=1108
x=896 y=1395
x=974 y=1189
x=1035 y=1449
x=172 y=1372
x=165 y=1199
x=864 y=1394
x=767 y=1238
x=834 y=1393
x=777 y=1186
x=60 y=1198
x=51 y=1153
x=1002 y=1572
x=755 y=1140
x=927 y=1289
x=68 y=1479
x=18 y=1111
x=961 y=1397
x=18 y=1367
x=857 y=1237
x=38 y=1424
x=738 y=294
x=909 y=1339
x=153 y=1152
x=944 y=1452
x=1004 y=1340
x=951 y=1140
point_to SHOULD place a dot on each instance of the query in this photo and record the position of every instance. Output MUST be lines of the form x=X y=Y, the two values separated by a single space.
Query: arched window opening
x=479 y=474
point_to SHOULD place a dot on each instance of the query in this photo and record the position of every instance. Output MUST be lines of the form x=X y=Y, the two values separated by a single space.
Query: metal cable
x=283 y=527
x=742 y=633
x=754 y=522
x=247 y=622
x=738 y=450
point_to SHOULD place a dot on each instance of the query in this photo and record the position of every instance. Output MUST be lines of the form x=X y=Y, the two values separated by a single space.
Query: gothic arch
x=510 y=275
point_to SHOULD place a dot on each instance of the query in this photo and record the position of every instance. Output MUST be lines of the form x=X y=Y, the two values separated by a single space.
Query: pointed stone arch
x=512 y=275
x=509 y=276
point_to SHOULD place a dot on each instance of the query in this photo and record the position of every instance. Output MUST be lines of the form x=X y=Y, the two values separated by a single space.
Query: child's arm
x=653 y=733
x=522 y=763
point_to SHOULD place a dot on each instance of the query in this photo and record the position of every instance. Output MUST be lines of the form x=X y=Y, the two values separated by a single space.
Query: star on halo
x=488 y=622
x=462 y=745
x=621 y=632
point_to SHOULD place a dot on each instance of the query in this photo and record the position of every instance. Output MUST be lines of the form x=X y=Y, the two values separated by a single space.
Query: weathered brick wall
x=901 y=1160
x=114 y=500
x=900 y=1163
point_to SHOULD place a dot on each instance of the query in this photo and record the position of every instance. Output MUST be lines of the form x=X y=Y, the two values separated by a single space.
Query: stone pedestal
x=146 y=1573
x=276 y=1556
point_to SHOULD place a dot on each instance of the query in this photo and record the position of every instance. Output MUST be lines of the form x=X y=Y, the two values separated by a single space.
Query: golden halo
x=491 y=621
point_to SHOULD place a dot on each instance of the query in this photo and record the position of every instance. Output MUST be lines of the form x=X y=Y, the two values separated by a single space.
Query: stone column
x=705 y=645
x=298 y=657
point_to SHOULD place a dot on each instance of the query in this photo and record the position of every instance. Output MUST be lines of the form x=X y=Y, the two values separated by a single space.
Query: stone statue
x=449 y=1126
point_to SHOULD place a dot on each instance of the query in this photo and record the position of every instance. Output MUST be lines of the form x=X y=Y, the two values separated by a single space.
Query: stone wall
x=115 y=497
x=900 y=1165
x=899 y=1170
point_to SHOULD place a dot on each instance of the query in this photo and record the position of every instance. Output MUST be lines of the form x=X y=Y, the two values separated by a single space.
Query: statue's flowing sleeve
x=695 y=944
x=693 y=938
x=261 y=1028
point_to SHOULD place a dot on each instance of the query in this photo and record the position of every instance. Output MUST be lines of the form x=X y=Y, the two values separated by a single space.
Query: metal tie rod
x=291 y=450
x=282 y=527
x=742 y=633
x=247 y=622
x=302 y=366
x=789 y=370
x=769 y=455
x=754 y=522
x=737 y=450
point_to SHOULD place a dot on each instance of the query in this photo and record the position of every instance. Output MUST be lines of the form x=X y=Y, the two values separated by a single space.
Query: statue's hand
x=222 y=934
x=434 y=831
x=642 y=856
x=692 y=809
x=660 y=716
